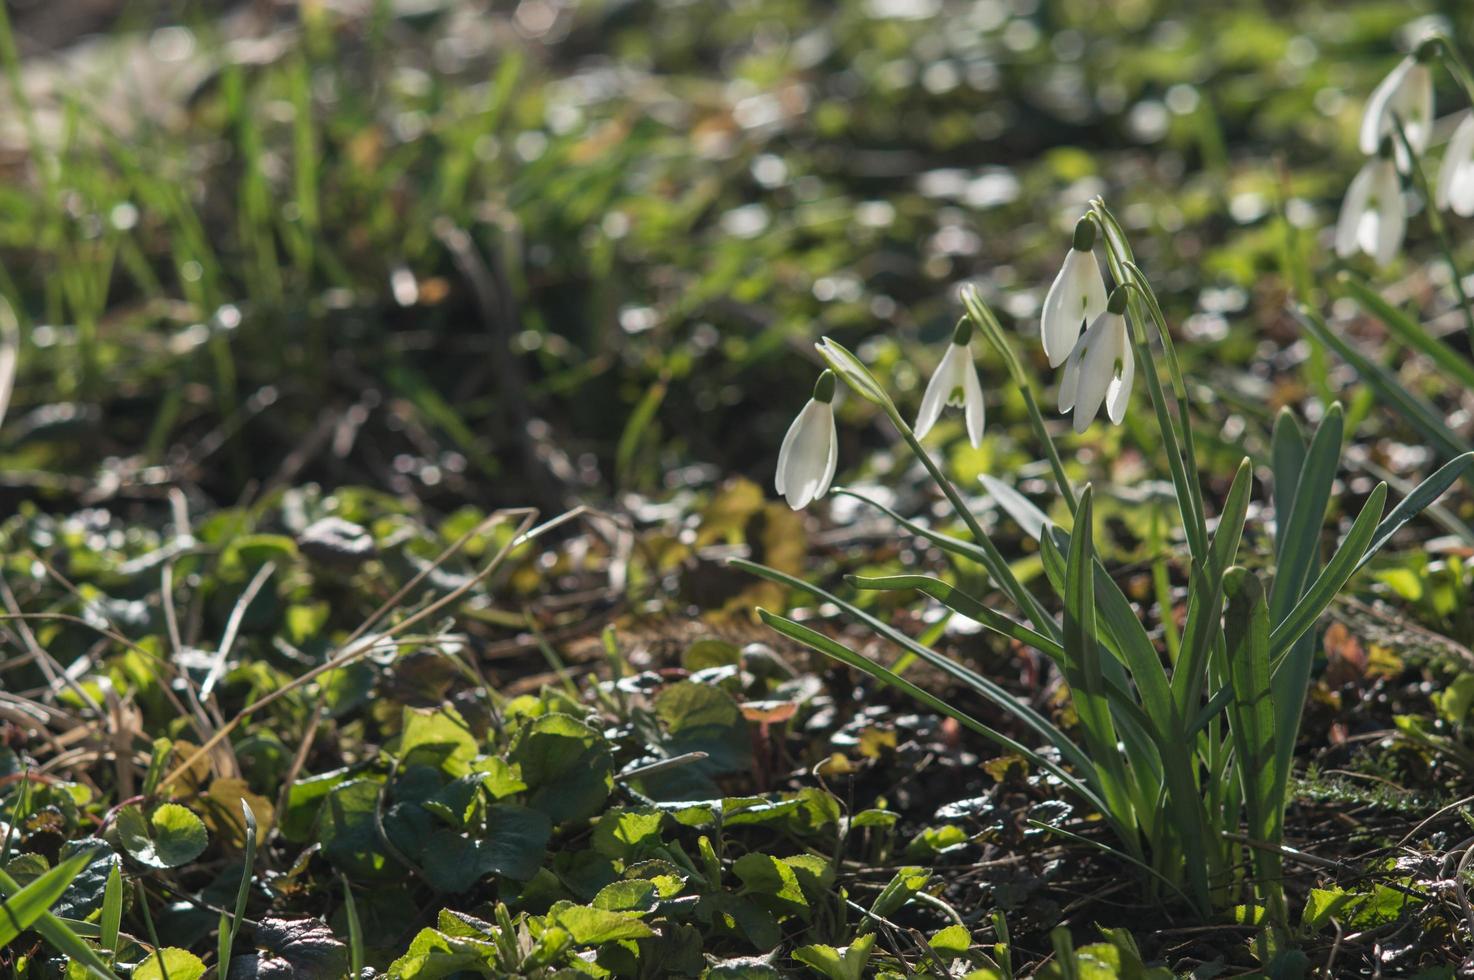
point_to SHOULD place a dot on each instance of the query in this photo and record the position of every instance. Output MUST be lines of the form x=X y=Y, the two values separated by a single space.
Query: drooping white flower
x=1373 y=219
x=954 y=383
x=1101 y=368
x=1407 y=93
x=1077 y=297
x=810 y=449
x=1455 y=190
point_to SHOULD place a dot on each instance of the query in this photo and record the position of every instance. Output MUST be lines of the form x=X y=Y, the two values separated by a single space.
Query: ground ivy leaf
x=173 y=835
x=171 y=963
x=952 y=941
x=838 y=964
x=440 y=738
x=566 y=765
x=513 y=846
x=590 y=926
x=635 y=895
x=347 y=832
x=622 y=833
x=771 y=879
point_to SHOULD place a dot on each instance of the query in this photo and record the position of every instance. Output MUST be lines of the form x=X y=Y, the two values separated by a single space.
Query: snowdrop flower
x=810 y=450
x=1407 y=93
x=956 y=384
x=1100 y=368
x=1077 y=297
x=1372 y=216
x=1456 y=176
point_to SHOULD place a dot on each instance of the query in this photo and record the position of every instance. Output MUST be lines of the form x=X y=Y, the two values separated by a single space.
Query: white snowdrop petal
x=1353 y=207
x=1391 y=221
x=808 y=457
x=932 y=401
x=974 y=409
x=1097 y=370
x=1070 y=377
x=1068 y=304
x=1458 y=161
x=1119 y=394
x=1376 y=121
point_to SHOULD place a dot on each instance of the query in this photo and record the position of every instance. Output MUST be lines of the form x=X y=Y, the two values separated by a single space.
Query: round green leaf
x=172 y=836
x=170 y=962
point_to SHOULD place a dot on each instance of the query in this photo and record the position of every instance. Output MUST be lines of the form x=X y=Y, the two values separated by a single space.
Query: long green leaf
x=1293 y=654
x=1125 y=635
x=962 y=603
x=1307 y=515
x=1423 y=495
x=1087 y=681
x=1287 y=454
x=831 y=648
x=1410 y=331
x=1252 y=719
x=1338 y=570
x=986 y=688
x=1230 y=529
x=20 y=909
x=1417 y=411
x=965 y=605
x=956 y=546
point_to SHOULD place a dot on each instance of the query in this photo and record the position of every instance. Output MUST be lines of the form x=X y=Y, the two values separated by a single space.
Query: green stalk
x=992 y=331
x=1181 y=453
x=858 y=377
x=1435 y=222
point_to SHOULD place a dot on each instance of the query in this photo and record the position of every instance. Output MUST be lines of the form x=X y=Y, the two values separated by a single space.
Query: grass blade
x=21 y=908
x=112 y=910
x=355 y=930
x=61 y=937
x=243 y=893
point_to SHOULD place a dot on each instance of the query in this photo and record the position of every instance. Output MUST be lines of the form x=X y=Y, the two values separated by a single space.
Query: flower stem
x=1435 y=222
x=1181 y=452
x=992 y=331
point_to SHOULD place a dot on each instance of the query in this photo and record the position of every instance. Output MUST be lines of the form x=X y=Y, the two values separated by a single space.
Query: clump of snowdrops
x=1398 y=134
x=1184 y=749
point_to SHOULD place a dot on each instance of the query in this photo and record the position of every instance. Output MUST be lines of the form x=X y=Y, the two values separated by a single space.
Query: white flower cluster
x=1399 y=119
x=1081 y=328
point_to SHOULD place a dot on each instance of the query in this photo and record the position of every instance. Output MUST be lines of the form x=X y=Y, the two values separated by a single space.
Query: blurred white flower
x=810 y=449
x=1100 y=368
x=1077 y=297
x=1455 y=190
x=1373 y=219
x=955 y=383
x=1407 y=93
